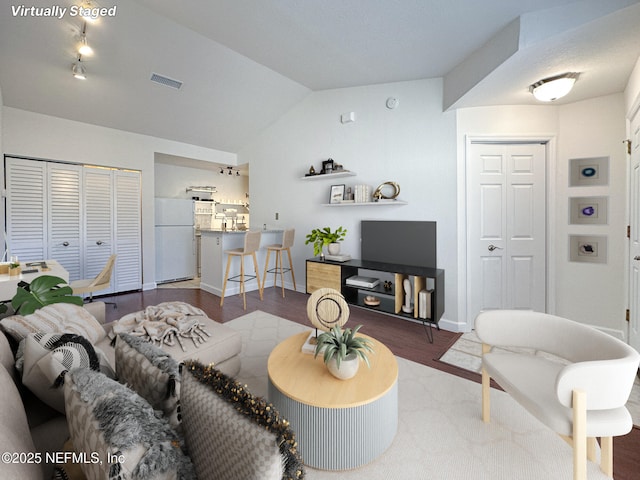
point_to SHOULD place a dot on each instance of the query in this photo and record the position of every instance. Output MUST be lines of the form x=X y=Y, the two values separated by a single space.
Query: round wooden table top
x=307 y=380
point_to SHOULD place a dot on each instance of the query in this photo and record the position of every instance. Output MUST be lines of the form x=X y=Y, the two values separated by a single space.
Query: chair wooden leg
x=279 y=260
x=242 y=289
x=226 y=276
x=591 y=449
x=293 y=276
x=266 y=266
x=606 y=456
x=486 y=389
x=579 y=435
x=255 y=267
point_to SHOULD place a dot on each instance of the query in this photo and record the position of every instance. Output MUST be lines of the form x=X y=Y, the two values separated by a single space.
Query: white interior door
x=634 y=233
x=506 y=227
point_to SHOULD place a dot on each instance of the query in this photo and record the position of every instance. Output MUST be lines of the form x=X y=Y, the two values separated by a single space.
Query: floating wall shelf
x=344 y=173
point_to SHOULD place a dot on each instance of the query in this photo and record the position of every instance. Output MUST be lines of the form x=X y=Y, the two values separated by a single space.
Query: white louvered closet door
x=65 y=217
x=98 y=221
x=128 y=230
x=26 y=184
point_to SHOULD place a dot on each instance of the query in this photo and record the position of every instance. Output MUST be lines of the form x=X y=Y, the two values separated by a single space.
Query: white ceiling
x=244 y=63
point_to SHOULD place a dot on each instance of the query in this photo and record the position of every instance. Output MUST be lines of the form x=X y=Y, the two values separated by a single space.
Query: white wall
x=592 y=294
x=40 y=136
x=171 y=182
x=413 y=145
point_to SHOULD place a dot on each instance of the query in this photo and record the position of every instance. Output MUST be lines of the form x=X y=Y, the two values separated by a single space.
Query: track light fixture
x=78 y=70
x=553 y=88
x=84 y=48
x=229 y=171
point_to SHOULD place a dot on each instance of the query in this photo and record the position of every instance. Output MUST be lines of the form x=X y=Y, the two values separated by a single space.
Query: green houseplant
x=340 y=347
x=43 y=290
x=320 y=237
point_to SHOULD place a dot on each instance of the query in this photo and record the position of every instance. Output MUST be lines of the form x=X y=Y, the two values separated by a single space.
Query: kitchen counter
x=213 y=260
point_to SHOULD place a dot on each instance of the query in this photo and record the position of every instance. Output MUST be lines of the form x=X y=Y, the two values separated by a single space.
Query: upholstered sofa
x=29 y=427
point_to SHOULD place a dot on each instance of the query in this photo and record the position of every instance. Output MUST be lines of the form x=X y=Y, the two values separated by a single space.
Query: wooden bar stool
x=287 y=242
x=251 y=245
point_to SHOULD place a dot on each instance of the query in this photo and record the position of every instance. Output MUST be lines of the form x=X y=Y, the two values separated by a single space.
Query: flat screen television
x=403 y=242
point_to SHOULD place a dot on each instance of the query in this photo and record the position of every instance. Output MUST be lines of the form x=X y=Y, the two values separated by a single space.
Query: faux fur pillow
x=151 y=372
x=55 y=318
x=231 y=434
x=115 y=424
x=43 y=359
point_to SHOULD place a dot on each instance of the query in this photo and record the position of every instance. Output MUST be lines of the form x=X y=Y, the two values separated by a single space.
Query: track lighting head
x=84 y=48
x=79 y=71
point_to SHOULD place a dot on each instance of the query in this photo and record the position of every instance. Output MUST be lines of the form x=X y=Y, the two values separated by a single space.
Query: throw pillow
x=231 y=434
x=151 y=372
x=55 y=318
x=120 y=428
x=43 y=359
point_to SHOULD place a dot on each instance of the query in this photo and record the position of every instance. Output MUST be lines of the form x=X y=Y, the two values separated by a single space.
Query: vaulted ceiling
x=244 y=63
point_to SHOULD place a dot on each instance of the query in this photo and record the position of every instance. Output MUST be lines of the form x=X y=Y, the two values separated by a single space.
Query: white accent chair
x=581 y=395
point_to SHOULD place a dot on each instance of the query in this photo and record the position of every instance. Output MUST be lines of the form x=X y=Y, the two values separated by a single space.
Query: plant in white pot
x=320 y=237
x=342 y=351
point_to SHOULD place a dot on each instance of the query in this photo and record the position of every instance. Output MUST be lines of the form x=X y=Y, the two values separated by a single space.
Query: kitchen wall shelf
x=366 y=204
x=344 y=173
x=206 y=189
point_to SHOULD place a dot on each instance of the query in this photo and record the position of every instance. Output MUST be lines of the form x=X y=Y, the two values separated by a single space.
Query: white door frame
x=465 y=323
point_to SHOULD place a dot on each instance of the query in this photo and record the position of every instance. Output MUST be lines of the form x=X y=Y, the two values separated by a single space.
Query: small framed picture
x=586 y=172
x=588 y=210
x=337 y=194
x=588 y=248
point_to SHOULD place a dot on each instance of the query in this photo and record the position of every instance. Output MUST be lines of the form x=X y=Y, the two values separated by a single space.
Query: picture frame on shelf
x=336 y=194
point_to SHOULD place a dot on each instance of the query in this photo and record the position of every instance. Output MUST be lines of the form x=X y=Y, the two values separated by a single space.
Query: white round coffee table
x=339 y=424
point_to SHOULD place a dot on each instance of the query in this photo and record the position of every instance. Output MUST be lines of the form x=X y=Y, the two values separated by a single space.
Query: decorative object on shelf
x=406 y=308
x=312 y=171
x=348 y=196
x=381 y=192
x=371 y=300
x=387 y=285
x=362 y=193
x=321 y=237
x=327 y=166
x=337 y=194
x=342 y=351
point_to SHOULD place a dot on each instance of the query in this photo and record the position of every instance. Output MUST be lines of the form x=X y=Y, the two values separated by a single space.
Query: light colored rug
x=467 y=353
x=440 y=432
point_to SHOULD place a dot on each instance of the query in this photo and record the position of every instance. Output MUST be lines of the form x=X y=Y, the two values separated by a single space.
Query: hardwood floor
x=405 y=339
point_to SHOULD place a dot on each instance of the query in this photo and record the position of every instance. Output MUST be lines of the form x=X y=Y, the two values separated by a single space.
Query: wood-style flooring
x=405 y=339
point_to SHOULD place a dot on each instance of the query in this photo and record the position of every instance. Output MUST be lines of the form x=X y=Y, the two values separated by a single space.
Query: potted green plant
x=43 y=290
x=320 y=237
x=342 y=351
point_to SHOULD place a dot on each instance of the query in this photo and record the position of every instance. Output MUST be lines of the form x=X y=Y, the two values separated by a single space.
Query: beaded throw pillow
x=231 y=434
x=151 y=372
x=121 y=430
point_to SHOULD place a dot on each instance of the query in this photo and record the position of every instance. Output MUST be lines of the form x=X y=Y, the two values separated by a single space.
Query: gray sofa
x=29 y=428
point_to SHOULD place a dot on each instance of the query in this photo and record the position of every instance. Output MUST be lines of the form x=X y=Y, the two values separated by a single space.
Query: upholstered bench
x=573 y=378
x=222 y=347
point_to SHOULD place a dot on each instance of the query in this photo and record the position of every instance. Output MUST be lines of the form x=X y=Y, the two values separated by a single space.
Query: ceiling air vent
x=166 y=81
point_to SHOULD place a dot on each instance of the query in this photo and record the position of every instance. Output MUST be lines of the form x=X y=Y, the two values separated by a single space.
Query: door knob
x=99 y=242
x=637 y=257
x=492 y=247
x=65 y=244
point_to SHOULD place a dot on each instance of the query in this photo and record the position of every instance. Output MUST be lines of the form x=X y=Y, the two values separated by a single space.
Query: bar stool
x=251 y=245
x=287 y=242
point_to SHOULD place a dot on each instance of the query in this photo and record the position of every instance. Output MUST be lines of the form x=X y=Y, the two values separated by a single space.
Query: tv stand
x=325 y=273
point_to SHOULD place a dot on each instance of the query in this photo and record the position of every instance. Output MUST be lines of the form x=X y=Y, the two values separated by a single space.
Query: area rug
x=466 y=353
x=440 y=431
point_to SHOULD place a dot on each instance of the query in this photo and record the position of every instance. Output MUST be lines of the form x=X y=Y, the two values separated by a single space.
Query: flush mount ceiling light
x=553 y=88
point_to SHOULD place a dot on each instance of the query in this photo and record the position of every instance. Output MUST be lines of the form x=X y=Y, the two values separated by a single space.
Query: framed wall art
x=588 y=210
x=588 y=248
x=584 y=172
x=337 y=194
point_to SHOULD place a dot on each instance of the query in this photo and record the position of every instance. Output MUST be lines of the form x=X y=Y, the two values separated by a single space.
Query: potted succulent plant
x=320 y=237
x=342 y=351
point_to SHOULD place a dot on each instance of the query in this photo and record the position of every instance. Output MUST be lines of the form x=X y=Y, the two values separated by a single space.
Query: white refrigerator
x=175 y=240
